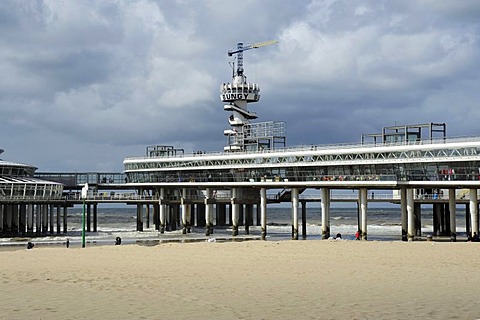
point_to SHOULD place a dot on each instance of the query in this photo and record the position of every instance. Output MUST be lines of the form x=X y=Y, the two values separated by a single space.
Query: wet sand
x=244 y=280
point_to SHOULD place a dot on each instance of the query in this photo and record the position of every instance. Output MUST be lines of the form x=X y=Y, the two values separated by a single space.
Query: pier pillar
x=186 y=212
x=325 y=206
x=183 y=208
x=44 y=219
x=22 y=222
x=404 y=216
x=452 y=207
x=173 y=221
x=263 y=212
x=162 y=210
x=15 y=218
x=7 y=218
x=235 y=211
x=29 y=218
x=156 y=219
x=95 y=217
x=65 y=219
x=230 y=208
x=304 y=220
x=437 y=218
x=295 y=213
x=38 y=219
x=410 y=215
x=59 y=214
x=51 y=210
x=208 y=211
x=89 y=217
x=147 y=215
x=257 y=218
x=362 y=198
x=417 y=212
x=473 y=212
x=139 y=217
x=467 y=219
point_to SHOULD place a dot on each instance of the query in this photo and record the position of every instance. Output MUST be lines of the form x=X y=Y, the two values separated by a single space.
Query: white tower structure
x=243 y=135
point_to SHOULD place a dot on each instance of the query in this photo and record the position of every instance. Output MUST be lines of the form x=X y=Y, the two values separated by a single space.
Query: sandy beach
x=244 y=280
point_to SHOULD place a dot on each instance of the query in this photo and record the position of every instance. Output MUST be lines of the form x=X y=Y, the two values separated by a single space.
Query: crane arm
x=241 y=48
x=252 y=46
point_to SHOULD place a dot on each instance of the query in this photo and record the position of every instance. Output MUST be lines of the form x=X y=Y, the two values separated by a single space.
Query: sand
x=244 y=280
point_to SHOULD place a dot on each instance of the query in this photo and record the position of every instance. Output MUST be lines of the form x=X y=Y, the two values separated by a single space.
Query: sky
x=87 y=83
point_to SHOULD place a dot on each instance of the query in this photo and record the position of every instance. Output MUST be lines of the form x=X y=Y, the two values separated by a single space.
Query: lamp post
x=84 y=196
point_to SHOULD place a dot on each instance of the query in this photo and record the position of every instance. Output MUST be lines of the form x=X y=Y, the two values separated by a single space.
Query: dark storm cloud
x=86 y=83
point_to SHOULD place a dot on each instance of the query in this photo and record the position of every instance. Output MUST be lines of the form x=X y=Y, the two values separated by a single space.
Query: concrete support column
x=325 y=206
x=417 y=212
x=89 y=217
x=64 y=219
x=295 y=196
x=452 y=207
x=147 y=215
x=44 y=218
x=186 y=212
x=410 y=215
x=59 y=214
x=403 y=209
x=139 y=217
x=263 y=212
x=22 y=224
x=208 y=212
x=15 y=216
x=156 y=219
x=235 y=211
x=304 y=220
x=362 y=199
x=173 y=217
x=163 y=211
x=29 y=218
x=38 y=219
x=95 y=217
x=473 y=211
x=51 y=210
x=7 y=218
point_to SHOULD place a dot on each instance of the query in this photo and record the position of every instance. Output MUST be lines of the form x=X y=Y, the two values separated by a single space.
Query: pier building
x=25 y=199
x=412 y=160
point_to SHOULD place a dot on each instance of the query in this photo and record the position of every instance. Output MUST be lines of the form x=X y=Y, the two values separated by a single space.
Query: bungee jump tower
x=244 y=135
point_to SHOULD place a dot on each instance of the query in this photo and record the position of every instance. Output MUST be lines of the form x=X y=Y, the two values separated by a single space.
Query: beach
x=244 y=280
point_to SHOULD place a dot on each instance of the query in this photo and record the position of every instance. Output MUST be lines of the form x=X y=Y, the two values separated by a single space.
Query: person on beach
x=357 y=235
x=338 y=237
x=475 y=237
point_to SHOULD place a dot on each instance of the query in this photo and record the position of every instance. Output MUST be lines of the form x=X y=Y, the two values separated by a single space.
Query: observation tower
x=244 y=135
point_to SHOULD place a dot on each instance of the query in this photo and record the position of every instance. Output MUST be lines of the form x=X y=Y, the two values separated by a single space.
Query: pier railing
x=125 y=197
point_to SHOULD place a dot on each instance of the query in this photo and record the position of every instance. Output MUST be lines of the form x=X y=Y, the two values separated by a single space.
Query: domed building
x=23 y=197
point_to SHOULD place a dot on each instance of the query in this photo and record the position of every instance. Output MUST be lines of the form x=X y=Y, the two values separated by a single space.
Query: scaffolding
x=408 y=134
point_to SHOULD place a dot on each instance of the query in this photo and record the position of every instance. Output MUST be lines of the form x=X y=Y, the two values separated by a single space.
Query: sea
x=383 y=224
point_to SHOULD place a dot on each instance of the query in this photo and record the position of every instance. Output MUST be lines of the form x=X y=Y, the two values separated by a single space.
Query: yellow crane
x=241 y=48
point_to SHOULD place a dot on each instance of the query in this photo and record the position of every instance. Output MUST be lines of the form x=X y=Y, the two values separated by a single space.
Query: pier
x=416 y=164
